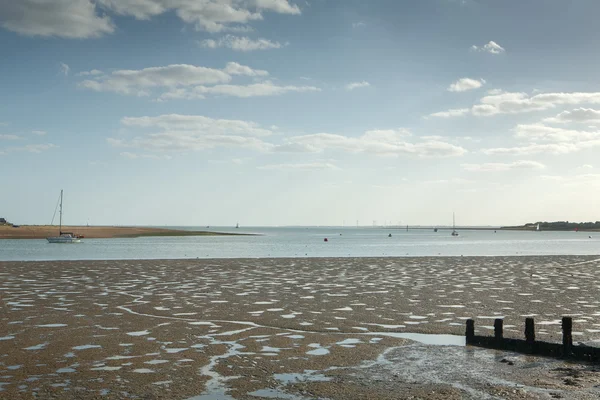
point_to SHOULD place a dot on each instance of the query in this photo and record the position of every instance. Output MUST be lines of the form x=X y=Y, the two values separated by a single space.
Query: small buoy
x=390 y=235
x=590 y=237
x=325 y=240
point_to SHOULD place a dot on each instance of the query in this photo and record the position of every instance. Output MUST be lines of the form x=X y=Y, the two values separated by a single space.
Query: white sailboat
x=538 y=227
x=63 y=237
x=454 y=233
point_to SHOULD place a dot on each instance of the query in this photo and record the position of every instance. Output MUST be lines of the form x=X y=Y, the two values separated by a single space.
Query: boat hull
x=61 y=239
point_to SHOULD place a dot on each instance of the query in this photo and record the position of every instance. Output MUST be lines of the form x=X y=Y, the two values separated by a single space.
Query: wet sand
x=94 y=232
x=290 y=328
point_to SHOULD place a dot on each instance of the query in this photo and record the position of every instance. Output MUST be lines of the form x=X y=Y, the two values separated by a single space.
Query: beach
x=294 y=328
x=95 y=232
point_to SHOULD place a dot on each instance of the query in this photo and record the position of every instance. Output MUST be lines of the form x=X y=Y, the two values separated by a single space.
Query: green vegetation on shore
x=558 y=226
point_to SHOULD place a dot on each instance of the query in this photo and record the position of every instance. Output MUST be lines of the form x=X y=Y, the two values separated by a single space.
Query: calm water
x=308 y=242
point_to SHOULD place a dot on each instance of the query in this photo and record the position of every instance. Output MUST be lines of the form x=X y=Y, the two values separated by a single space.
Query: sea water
x=309 y=242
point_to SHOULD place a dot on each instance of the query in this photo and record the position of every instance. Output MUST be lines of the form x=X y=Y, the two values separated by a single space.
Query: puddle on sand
x=321 y=351
x=468 y=369
x=275 y=394
x=307 y=376
x=436 y=340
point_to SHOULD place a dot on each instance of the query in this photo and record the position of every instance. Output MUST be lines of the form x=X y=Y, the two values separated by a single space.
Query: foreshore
x=96 y=232
x=290 y=328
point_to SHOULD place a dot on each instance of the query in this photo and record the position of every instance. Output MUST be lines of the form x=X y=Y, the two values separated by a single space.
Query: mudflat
x=95 y=232
x=335 y=328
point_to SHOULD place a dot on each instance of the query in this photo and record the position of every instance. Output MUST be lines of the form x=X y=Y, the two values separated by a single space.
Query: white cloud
x=139 y=82
x=266 y=88
x=34 y=148
x=208 y=15
x=64 y=69
x=380 y=143
x=85 y=18
x=547 y=133
x=183 y=81
x=578 y=115
x=241 y=43
x=233 y=68
x=547 y=148
x=490 y=47
x=60 y=18
x=135 y=156
x=174 y=132
x=198 y=124
x=499 y=102
x=39 y=133
x=9 y=137
x=357 y=85
x=454 y=112
x=489 y=167
x=464 y=84
x=358 y=24
x=301 y=167
x=93 y=72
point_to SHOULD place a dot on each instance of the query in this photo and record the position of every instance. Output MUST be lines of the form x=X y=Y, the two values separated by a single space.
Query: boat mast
x=453 y=221
x=60 y=213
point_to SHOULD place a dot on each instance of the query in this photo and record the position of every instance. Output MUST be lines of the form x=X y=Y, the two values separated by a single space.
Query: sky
x=299 y=112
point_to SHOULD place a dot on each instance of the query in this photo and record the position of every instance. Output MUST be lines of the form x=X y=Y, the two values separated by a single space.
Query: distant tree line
x=559 y=226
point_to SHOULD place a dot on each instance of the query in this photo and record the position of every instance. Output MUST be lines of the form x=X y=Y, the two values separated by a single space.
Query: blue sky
x=279 y=112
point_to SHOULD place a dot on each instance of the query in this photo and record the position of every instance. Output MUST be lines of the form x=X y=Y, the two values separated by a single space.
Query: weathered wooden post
x=470 y=333
x=567 y=328
x=498 y=335
x=529 y=331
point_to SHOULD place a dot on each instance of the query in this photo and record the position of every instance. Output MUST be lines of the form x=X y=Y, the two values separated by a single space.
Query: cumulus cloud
x=553 y=134
x=34 y=148
x=233 y=68
x=39 y=133
x=135 y=156
x=197 y=124
x=184 y=81
x=139 y=82
x=379 y=143
x=490 y=47
x=301 y=167
x=357 y=85
x=60 y=18
x=9 y=137
x=578 y=115
x=498 y=102
x=93 y=72
x=85 y=18
x=464 y=84
x=491 y=167
x=454 y=112
x=241 y=43
x=175 y=132
x=545 y=148
x=64 y=69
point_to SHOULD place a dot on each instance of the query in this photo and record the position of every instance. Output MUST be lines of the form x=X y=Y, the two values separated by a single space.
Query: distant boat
x=63 y=237
x=435 y=229
x=537 y=228
x=454 y=233
x=237 y=225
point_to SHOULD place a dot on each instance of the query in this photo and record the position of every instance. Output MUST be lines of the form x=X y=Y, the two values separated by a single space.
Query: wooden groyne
x=529 y=345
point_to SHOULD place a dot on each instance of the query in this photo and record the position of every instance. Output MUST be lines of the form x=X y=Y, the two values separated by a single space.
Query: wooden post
x=470 y=333
x=567 y=328
x=498 y=330
x=529 y=331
